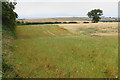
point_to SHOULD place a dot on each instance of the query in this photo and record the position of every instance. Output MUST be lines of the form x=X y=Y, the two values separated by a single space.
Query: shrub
x=65 y=22
x=72 y=22
x=85 y=22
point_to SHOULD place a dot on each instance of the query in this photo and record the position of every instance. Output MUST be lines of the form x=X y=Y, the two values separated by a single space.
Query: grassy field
x=51 y=51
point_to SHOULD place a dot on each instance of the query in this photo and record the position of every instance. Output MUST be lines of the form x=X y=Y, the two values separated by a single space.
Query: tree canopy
x=8 y=15
x=95 y=15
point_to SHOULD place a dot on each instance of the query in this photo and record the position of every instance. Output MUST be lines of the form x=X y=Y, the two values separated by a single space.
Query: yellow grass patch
x=105 y=28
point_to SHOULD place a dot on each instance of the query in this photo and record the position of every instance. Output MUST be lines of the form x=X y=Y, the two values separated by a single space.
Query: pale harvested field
x=101 y=28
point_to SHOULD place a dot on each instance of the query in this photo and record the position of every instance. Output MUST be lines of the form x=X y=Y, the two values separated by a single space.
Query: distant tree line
x=109 y=20
x=34 y=23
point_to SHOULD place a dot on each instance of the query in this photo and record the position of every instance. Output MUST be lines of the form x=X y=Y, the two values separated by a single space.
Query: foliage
x=95 y=15
x=8 y=35
x=64 y=22
x=35 y=23
x=72 y=22
x=8 y=15
x=85 y=22
x=8 y=69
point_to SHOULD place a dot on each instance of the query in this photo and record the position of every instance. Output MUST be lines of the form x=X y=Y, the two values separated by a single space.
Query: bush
x=9 y=34
x=7 y=49
x=72 y=22
x=35 y=23
x=56 y=22
x=109 y=21
x=85 y=22
x=18 y=22
x=8 y=15
x=65 y=22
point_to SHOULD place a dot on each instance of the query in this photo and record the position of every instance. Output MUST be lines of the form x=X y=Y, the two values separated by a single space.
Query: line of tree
x=35 y=23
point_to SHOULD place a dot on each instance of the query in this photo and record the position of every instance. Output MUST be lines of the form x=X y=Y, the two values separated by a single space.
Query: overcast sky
x=64 y=8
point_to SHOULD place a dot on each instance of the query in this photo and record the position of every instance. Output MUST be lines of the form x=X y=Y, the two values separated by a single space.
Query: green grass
x=47 y=51
x=8 y=37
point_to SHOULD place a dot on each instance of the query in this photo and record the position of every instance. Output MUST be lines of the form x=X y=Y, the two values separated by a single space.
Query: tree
x=95 y=15
x=8 y=33
x=8 y=15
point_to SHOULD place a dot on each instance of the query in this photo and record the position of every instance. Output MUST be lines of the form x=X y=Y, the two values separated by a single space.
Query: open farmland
x=99 y=29
x=66 y=51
